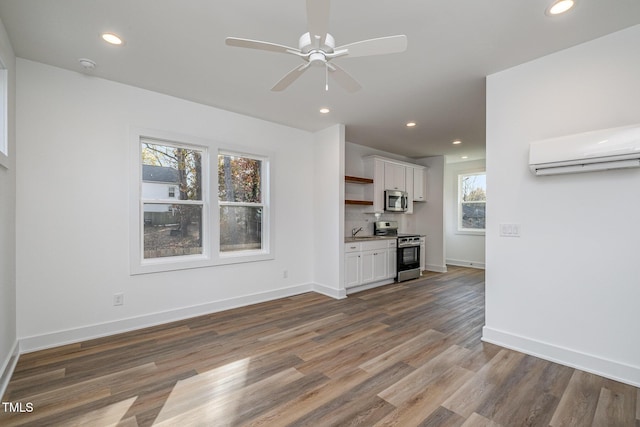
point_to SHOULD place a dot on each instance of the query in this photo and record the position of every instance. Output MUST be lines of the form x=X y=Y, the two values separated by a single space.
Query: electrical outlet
x=118 y=299
x=285 y=274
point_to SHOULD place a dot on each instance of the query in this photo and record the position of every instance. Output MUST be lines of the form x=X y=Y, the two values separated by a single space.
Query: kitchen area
x=393 y=218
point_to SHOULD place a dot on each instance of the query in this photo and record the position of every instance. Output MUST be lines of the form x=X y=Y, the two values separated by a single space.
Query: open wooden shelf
x=358 y=180
x=358 y=202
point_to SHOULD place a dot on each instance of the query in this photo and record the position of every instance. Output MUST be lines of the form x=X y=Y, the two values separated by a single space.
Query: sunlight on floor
x=108 y=416
x=210 y=396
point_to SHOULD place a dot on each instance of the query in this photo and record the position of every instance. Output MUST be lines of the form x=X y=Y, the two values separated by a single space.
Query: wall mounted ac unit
x=614 y=148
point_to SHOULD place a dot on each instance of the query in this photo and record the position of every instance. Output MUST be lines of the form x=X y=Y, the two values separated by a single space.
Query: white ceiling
x=177 y=47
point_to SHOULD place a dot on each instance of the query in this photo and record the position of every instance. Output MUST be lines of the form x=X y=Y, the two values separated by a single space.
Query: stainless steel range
x=408 y=253
x=408 y=263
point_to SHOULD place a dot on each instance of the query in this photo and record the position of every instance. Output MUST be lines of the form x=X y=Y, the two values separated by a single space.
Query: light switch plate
x=509 y=230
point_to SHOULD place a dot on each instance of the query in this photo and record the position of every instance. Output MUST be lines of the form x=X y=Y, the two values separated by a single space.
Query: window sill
x=160 y=265
x=471 y=232
x=240 y=257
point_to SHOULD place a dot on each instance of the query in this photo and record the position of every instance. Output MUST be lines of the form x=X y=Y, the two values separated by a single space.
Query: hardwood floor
x=406 y=354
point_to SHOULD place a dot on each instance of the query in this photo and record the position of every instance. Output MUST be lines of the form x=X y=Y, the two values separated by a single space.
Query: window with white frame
x=241 y=200
x=4 y=137
x=177 y=222
x=173 y=224
x=472 y=200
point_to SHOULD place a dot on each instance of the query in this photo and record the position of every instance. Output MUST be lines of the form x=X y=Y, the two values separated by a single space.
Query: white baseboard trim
x=463 y=263
x=611 y=369
x=436 y=268
x=367 y=286
x=329 y=291
x=8 y=367
x=70 y=336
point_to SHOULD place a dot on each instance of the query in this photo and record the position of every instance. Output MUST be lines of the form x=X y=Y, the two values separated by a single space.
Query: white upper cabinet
x=419 y=185
x=408 y=179
x=388 y=174
x=394 y=177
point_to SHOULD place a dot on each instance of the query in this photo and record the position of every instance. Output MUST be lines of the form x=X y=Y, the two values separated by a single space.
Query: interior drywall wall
x=429 y=217
x=568 y=288
x=328 y=211
x=73 y=209
x=463 y=249
x=8 y=340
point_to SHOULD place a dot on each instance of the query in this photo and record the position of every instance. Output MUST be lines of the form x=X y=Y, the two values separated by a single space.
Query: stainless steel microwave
x=396 y=201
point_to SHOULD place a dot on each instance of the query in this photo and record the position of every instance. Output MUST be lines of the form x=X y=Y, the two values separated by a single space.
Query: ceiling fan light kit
x=317 y=48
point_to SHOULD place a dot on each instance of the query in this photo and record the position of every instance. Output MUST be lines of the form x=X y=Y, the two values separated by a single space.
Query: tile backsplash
x=357 y=216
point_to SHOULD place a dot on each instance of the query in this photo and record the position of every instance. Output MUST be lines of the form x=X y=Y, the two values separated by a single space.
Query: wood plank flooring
x=406 y=354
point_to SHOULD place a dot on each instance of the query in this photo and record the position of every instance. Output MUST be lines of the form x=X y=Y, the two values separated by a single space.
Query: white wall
x=328 y=210
x=8 y=341
x=73 y=209
x=568 y=289
x=462 y=248
x=430 y=216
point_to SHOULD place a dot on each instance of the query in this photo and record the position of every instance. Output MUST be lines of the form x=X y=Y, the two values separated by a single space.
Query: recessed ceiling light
x=456 y=142
x=560 y=6
x=324 y=111
x=111 y=38
x=464 y=157
x=411 y=124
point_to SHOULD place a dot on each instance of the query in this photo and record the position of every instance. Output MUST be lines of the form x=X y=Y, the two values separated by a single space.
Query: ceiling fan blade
x=343 y=78
x=318 y=20
x=379 y=46
x=260 y=45
x=290 y=77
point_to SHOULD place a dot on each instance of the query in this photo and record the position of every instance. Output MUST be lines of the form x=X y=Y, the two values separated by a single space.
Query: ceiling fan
x=317 y=47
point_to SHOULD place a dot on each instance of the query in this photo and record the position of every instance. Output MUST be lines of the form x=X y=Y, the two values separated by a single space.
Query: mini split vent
x=616 y=148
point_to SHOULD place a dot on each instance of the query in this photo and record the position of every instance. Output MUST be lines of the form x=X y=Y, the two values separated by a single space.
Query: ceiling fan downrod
x=326 y=77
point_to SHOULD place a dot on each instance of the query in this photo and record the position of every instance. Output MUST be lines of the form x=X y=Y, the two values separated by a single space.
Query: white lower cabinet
x=352 y=269
x=374 y=265
x=370 y=262
x=368 y=266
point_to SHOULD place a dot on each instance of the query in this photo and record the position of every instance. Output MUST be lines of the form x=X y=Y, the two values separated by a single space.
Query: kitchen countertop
x=368 y=238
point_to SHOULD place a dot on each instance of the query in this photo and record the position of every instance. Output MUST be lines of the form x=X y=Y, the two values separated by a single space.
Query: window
x=472 y=200
x=241 y=202
x=172 y=226
x=177 y=221
x=4 y=137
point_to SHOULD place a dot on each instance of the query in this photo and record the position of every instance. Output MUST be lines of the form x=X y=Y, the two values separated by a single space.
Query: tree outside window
x=176 y=221
x=172 y=199
x=472 y=200
x=241 y=201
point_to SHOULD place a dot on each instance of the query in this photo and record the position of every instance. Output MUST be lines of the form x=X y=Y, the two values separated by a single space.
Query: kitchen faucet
x=355 y=231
